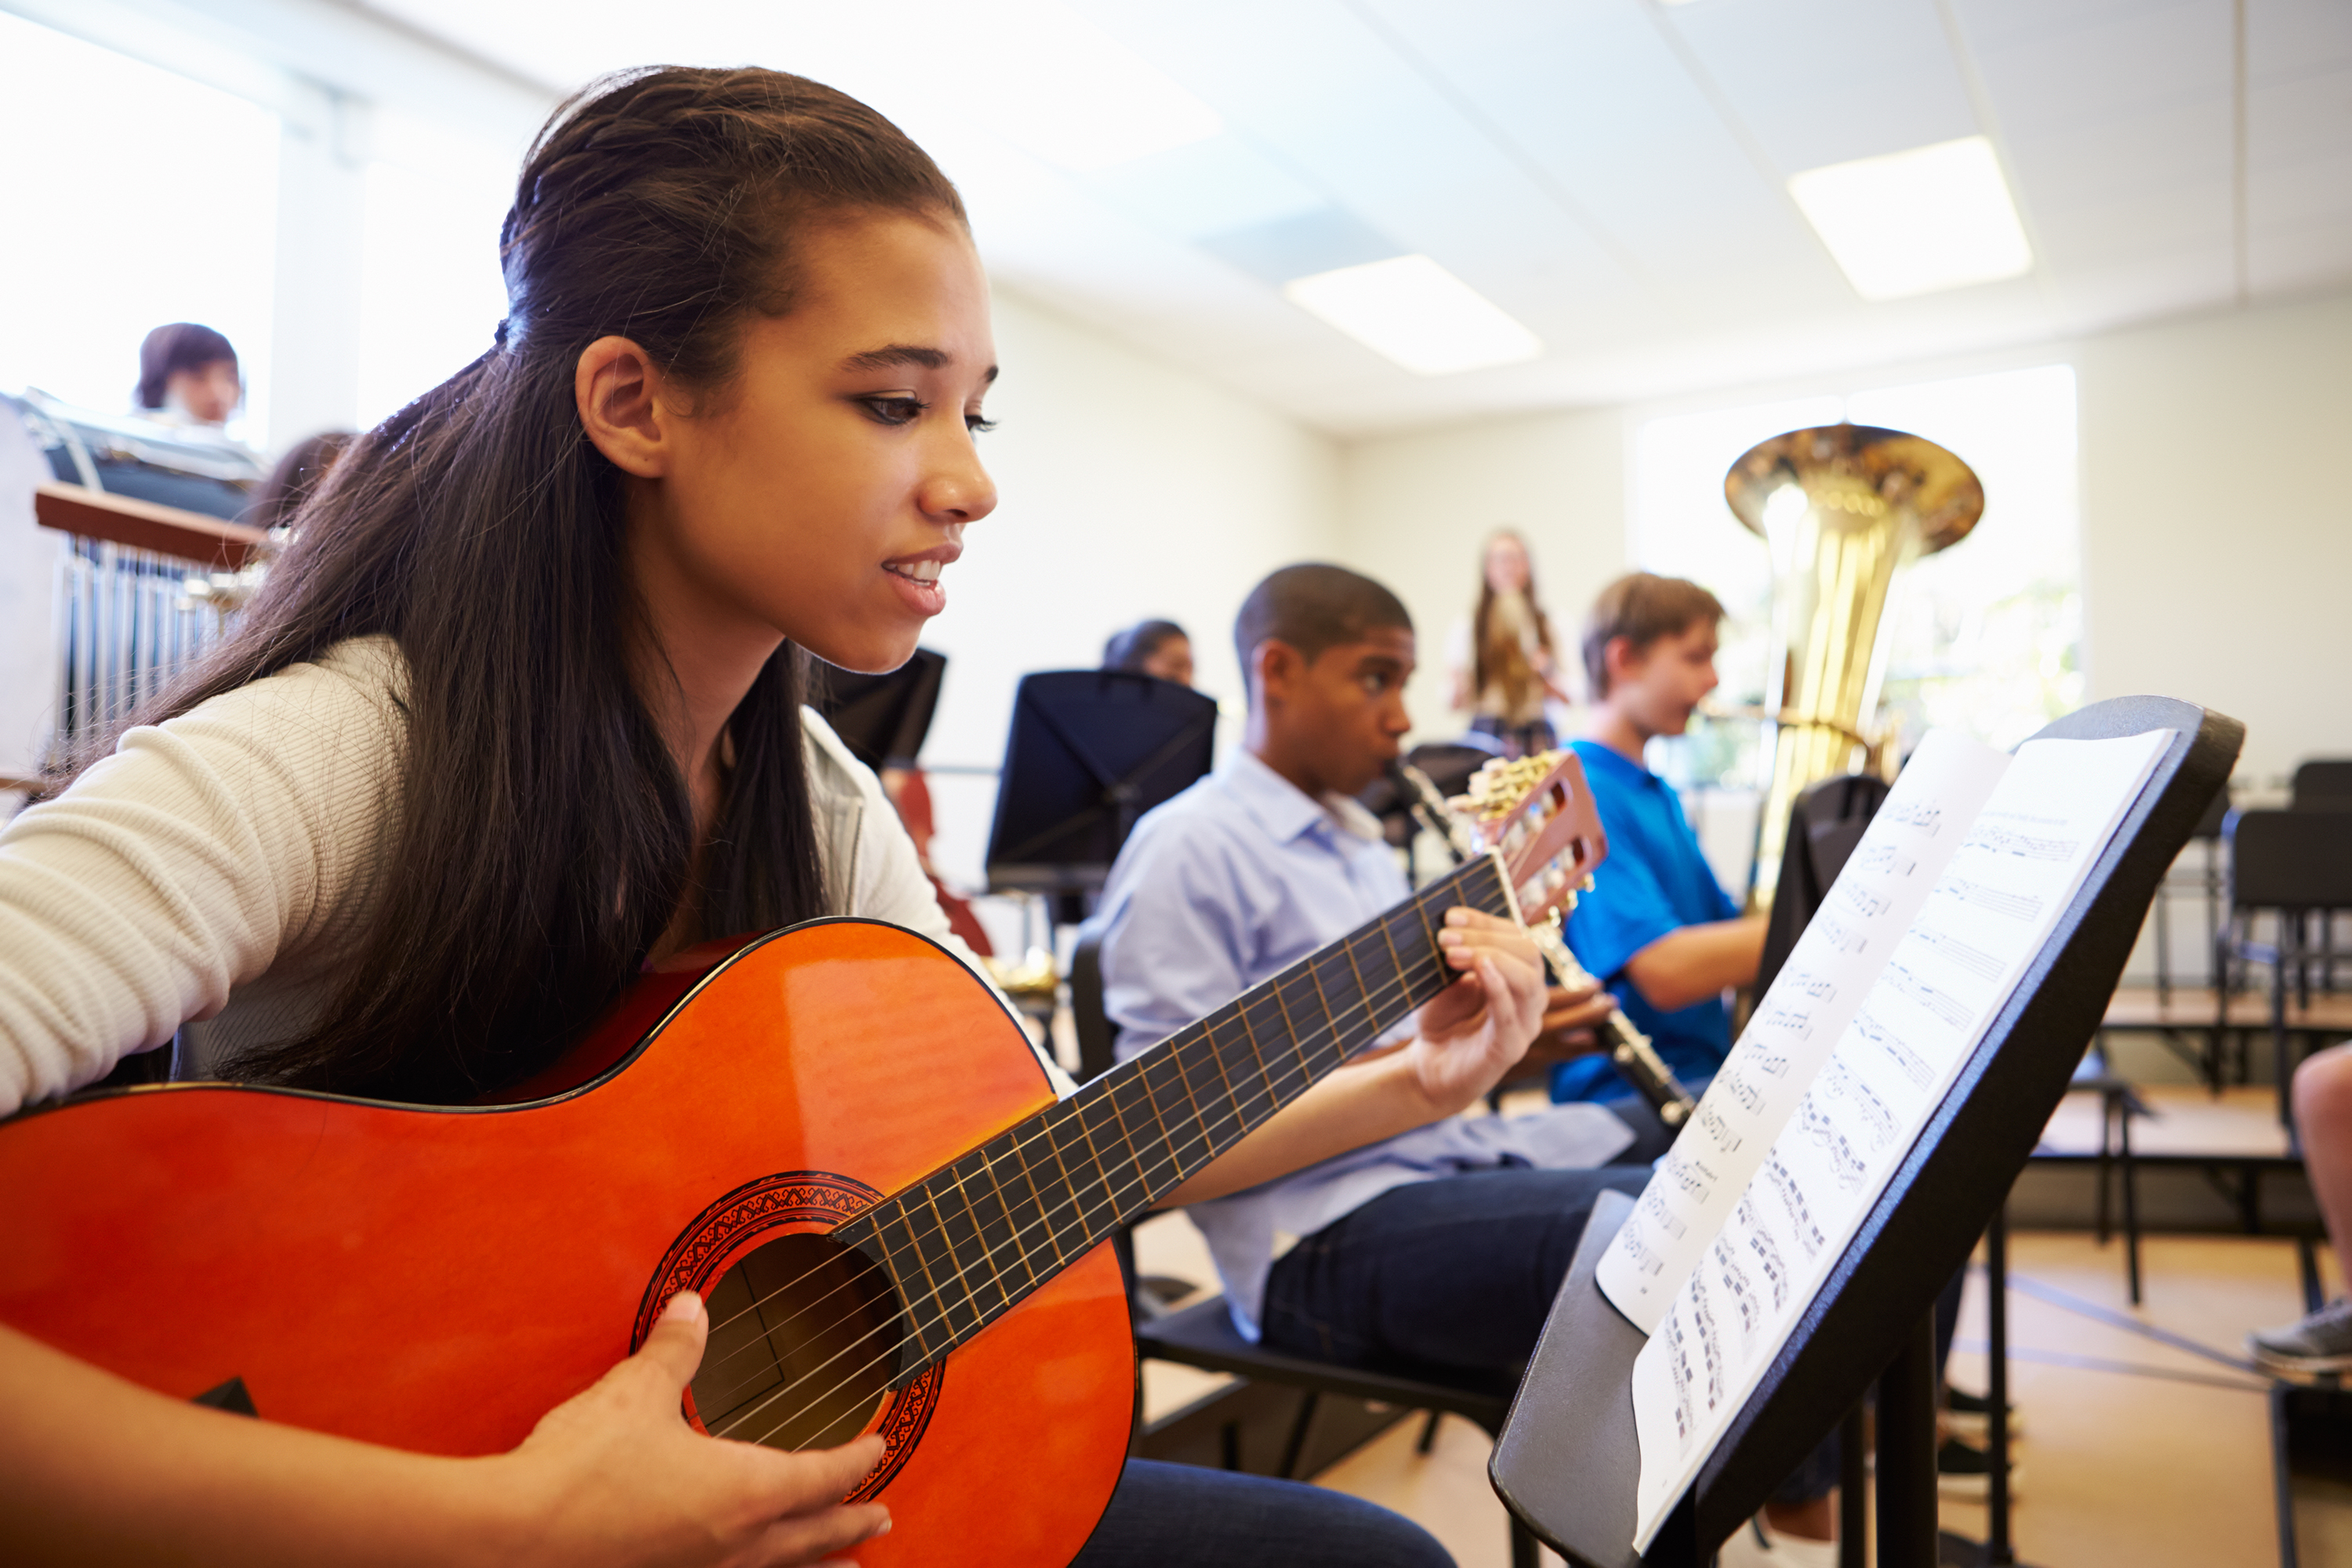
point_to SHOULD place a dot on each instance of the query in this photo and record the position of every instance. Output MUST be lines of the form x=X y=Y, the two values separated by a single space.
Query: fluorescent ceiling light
x=1913 y=223
x=1417 y=314
x=1068 y=92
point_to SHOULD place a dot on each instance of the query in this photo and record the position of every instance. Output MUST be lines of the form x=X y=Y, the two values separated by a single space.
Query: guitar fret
x=1092 y=1207
x=1164 y=1074
x=907 y=1298
x=1252 y=1096
x=1154 y=1137
x=1290 y=1028
x=1016 y=1224
x=953 y=1295
x=1222 y=1133
x=991 y=1225
x=1043 y=1216
x=986 y=1229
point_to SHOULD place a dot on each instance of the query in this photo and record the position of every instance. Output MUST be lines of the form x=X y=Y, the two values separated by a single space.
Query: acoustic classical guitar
x=835 y=1131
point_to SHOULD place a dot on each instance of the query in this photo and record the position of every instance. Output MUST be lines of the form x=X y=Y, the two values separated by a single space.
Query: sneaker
x=1969 y=1417
x=1965 y=1474
x=2320 y=1343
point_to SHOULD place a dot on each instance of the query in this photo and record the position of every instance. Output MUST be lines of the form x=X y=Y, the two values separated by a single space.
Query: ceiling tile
x=1825 y=81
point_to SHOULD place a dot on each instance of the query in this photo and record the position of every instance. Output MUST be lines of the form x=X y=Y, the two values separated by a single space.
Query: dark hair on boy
x=175 y=347
x=1314 y=606
x=1126 y=650
x=1642 y=607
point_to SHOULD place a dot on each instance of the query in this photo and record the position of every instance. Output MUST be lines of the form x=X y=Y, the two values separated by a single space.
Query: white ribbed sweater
x=223 y=866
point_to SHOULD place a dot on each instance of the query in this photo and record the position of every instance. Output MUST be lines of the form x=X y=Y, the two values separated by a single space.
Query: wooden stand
x=1568 y=1461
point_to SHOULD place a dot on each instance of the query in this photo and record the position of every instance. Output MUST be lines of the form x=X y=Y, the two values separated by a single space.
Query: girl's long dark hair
x=545 y=838
x=1484 y=664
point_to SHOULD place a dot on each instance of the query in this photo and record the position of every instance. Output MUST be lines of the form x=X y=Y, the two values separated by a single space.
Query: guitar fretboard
x=968 y=1242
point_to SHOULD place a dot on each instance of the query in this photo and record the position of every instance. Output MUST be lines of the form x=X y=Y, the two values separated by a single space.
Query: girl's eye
x=895 y=410
x=977 y=424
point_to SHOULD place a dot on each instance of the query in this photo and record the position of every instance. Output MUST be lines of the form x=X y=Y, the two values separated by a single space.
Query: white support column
x=321 y=208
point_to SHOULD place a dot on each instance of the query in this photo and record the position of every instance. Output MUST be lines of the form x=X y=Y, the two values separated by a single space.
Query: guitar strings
x=1308 y=1070
x=1042 y=1216
x=937 y=1294
x=1419 y=903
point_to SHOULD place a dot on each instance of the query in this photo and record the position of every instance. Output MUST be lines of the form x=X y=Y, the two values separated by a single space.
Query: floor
x=2145 y=1436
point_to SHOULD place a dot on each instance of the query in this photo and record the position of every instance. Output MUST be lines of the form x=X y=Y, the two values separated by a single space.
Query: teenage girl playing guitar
x=519 y=713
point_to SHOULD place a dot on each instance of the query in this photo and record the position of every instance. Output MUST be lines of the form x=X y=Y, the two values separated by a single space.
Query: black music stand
x=1091 y=751
x=1567 y=1461
x=882 y=718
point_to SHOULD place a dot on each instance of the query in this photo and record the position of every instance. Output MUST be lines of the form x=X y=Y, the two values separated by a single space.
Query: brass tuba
x=1843 y=508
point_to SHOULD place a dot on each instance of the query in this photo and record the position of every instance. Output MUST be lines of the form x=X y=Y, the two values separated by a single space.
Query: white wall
x=2217 y=522
x=1415 y=508
x=1126 y=489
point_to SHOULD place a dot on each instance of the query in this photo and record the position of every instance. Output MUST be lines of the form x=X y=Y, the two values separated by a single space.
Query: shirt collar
x=1609 y=759
x=1284 y=809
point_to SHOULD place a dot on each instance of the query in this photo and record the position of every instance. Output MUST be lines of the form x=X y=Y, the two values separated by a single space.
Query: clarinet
x=1629 y=1051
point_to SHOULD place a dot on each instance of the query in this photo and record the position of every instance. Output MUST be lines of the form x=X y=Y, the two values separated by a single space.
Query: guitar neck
x=966 y=1243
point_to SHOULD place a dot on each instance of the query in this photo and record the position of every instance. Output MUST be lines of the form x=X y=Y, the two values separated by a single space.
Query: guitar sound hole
x=805 y=1336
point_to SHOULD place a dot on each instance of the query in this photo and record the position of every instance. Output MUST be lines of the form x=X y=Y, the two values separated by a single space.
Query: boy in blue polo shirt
x=1657 y=928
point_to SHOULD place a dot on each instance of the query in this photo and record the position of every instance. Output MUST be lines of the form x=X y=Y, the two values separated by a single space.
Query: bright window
x=132 y=197
x=1987 y=635
x=431 y=294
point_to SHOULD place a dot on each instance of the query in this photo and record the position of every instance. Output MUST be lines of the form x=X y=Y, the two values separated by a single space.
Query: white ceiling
x=1610 y=171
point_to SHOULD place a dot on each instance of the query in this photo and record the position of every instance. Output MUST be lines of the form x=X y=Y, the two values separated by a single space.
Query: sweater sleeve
x=198 y=855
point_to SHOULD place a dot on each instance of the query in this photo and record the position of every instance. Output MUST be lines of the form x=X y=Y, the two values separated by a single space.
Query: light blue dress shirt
x=1225 y=886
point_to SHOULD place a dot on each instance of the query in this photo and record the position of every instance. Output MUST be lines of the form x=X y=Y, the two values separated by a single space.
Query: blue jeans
x=1455 y=1272
x=1177 y=1516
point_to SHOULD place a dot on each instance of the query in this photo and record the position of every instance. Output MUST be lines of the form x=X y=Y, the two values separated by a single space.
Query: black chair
x=1203 y=1335
x=2323 y=784
x=2297 y=865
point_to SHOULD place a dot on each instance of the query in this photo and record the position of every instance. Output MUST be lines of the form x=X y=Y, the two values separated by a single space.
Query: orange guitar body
x=437 y=1279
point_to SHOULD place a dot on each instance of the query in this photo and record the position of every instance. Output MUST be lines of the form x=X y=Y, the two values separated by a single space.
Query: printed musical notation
x=1922 y=941
x=2016 y=905
x=1890 y=858
x=2004 y=840
x=1712 y=1120
x=1924 y=816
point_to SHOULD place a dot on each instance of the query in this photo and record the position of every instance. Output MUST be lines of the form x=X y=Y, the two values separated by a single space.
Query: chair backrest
x=1825 y=823
x=1097 y=1041
x=2323 y=784
x=2289 y=859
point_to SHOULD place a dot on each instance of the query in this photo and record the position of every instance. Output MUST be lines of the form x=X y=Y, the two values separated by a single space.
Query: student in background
x=188 y=375
x=294 y=480
x=1657 y=928
x=1444 y=1240
x=1502 y=655
x=1151 y=647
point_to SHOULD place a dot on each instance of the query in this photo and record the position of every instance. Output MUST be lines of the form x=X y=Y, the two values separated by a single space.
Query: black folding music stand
x=1091 y=751
x=882 y=718
x=1567 y=1461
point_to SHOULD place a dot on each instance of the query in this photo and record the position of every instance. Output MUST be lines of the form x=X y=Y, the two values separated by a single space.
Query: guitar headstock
x=1537 y=812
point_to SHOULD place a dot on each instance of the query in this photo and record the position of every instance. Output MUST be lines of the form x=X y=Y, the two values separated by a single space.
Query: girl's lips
x=917 y=583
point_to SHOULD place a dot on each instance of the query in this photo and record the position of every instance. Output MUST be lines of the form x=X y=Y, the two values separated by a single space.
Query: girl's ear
x=618 y=391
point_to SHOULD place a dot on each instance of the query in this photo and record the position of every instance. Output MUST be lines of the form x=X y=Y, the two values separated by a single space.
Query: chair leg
x=2107 y=1106
x=2307 y=1262
x=1523 y=1545
x=1429 y=1433
x=1295 y=1447
x=2131 y=1216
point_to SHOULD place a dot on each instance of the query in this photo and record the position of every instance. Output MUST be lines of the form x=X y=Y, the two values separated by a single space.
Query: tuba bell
x=1844 y=509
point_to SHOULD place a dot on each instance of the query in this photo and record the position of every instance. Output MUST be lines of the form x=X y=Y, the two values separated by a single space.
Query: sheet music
x=1984 y=920
x=1885 y=880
